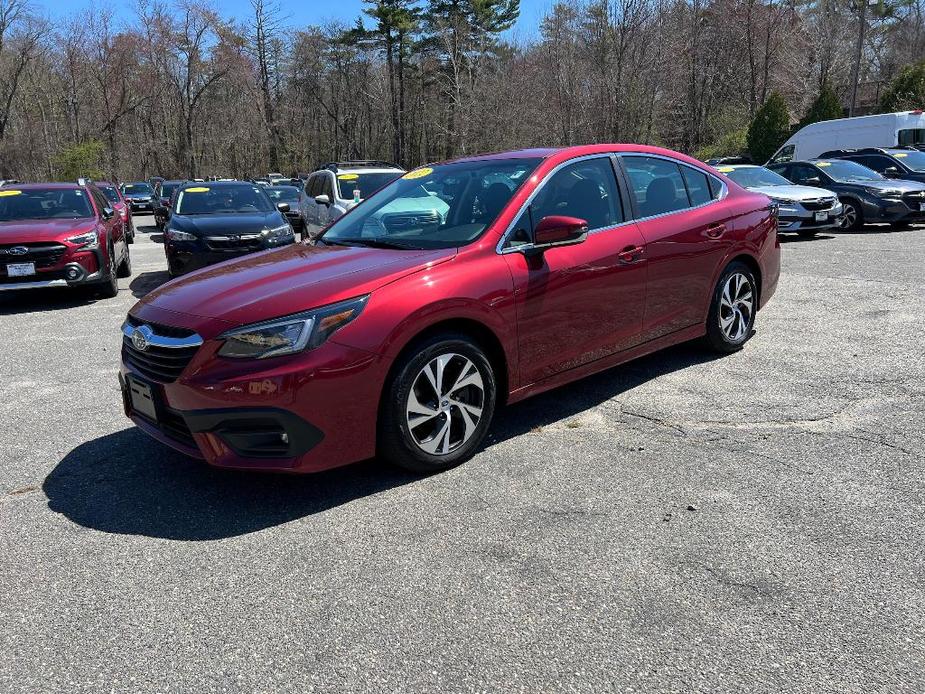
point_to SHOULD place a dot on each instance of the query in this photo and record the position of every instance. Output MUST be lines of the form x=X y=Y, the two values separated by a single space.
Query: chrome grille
x=167 y=350
x=818 y=204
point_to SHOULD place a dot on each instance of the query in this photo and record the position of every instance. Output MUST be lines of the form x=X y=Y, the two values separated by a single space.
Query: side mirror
x=322 y=199
x=813 y=181
x=282 y=206
x=108 y=213
x=559 y=230
x=891 y=171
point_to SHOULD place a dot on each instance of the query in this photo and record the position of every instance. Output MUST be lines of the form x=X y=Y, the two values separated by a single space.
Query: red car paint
x=621 y=294
x=46 y=243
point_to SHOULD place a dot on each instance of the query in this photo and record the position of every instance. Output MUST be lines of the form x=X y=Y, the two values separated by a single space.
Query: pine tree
x=827 y=106
x=769 y=128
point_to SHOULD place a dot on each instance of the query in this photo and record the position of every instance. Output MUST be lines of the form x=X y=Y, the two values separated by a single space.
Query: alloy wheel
x=736 y=307
x=445 y=404
x=850 y=217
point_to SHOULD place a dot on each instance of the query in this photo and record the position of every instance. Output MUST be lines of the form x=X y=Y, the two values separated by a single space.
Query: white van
x=882 y=130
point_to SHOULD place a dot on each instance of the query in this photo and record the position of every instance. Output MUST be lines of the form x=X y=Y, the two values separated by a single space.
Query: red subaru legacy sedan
x=455 y=288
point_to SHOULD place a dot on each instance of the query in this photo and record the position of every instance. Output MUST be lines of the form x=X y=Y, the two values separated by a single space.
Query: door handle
x=630 y=254
x=716 y=230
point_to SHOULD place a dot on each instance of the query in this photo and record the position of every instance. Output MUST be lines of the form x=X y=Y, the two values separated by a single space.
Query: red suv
x=61 y=235
x=453 y=289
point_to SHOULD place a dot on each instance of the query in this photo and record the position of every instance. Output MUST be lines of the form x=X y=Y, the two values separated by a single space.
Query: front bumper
x=142 y=206
x=72 y=269
x=302 y=413
x=893 y=210
x=795 y=217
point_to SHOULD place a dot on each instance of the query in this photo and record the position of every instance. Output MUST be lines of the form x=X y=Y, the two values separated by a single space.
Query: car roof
x=720 y=167
x=46 y=186
x=217 y=184
x=566 y=153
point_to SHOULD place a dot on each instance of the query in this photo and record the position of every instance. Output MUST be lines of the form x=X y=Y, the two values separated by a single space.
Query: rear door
x=576 y=304
x=687 y=232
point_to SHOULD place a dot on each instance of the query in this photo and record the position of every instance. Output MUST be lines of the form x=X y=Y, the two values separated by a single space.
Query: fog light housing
x=74 y=273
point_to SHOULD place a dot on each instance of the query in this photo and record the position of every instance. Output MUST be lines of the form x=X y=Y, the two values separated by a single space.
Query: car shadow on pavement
x=128 y=483
x=794 y=238
x=40 y=300
x=147 y=282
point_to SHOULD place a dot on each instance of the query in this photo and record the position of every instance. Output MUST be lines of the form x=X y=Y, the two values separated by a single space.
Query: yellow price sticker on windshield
x=823 y=163
x=197 y=190
x=8 y=193
x=348 y=177
x=724 y=169
x=419 y=173
x=900 y=155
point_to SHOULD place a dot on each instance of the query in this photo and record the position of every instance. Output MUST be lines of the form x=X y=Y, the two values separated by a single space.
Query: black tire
x=109 y=288
x=398 y=440
x=125 y=267
x=130 y=235
x=721 y=336
x=853 y=215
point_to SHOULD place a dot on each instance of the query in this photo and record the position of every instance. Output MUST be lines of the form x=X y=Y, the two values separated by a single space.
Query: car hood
x=892 y=184
x=224 y=224
x=287 y=280
x=43 y=229
x=793 y=192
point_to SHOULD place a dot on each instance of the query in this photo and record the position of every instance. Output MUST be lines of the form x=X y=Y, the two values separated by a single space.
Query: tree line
x=182 y=91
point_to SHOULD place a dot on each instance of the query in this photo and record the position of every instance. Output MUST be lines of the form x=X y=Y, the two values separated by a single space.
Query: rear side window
x=656 y=185
x=314 y=185
x=585 y=189
x=326 y=187
x=698 y=188
x=716 y=187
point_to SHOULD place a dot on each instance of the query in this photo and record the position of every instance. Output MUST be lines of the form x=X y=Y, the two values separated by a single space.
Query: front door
x=577 y=303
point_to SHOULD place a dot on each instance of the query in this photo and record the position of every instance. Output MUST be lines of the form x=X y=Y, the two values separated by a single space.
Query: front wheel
x=852 y=217
x=109 y=289
x=438 y=407
x=732 y=310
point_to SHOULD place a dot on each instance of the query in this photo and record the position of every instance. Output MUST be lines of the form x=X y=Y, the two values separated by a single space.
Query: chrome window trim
x=724 y=192
x=156 y=340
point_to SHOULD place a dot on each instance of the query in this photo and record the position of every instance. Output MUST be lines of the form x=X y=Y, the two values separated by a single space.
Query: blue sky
x=302 y=12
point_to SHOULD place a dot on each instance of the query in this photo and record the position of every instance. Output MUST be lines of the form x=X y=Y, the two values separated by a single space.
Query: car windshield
x=848 y=171
x=914 y=160
x=50 y=203
x=223 y=199
x=111 y=193
x=367 y=183
x=283 y=193
x=754 y=176
x=434 y=207
x=136 y=189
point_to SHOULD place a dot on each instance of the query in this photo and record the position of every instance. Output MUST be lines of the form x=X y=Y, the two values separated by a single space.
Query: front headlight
x=89 y=239
x=280 y=232
x=290 y=334
x=175 y=235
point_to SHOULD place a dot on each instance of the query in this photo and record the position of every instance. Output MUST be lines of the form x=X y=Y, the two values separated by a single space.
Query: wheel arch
x=483 y=335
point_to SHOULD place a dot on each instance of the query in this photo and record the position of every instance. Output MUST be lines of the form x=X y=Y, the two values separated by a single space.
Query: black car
x=290 y=195
x=139 y=195
x=866 y=195
x=213 y=222
x=163 y=192
x=906 y=164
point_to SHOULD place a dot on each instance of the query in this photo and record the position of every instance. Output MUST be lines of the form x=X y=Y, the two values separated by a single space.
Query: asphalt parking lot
x=684 y=523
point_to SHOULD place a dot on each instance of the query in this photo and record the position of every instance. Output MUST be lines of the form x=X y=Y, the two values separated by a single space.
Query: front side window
x=586 y=189
x=222 y=200
x=915 y=160
x=443 y=206
x=805 y=175
x=785 y=154
x=53 y=203
x=656 y=185
x=366 y=183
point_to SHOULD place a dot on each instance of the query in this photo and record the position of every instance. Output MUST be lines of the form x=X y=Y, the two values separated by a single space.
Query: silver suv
x=802 y=209
x=335 y=188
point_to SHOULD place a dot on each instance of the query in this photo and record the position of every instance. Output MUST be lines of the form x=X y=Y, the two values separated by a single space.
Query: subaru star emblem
x=18 y=250
x=140 y=337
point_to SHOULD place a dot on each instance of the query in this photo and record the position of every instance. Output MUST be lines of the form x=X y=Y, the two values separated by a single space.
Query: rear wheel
x=732 y=311
x=853 y=216
x=438 y=407
x=125 y=267
x=110 y=286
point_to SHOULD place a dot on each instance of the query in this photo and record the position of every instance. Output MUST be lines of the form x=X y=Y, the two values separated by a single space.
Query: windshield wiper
x=372 y=243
